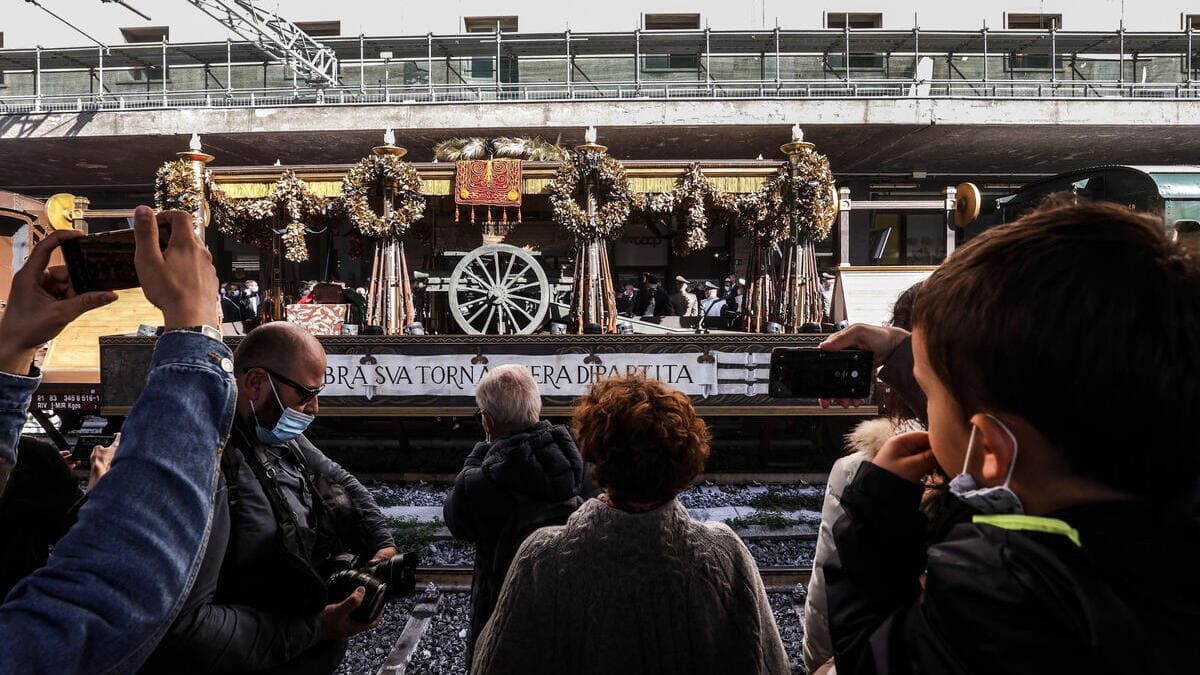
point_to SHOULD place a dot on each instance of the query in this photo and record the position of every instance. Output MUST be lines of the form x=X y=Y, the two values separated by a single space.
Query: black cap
x=651 y=279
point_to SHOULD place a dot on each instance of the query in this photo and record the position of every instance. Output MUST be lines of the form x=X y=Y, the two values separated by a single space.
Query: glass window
x=853 y=20
x=671 y=22
x=483 y=67
x=1033 y=21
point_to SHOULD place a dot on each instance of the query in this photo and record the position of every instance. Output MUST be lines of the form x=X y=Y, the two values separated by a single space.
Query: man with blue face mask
x=285 y=511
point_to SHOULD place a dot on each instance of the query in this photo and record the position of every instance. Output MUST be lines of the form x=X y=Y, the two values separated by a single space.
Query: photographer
x=121 y=573
x=285 y=515
x=1065 y=483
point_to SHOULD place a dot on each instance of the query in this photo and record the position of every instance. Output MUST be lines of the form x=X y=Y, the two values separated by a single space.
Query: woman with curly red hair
x=631 y=584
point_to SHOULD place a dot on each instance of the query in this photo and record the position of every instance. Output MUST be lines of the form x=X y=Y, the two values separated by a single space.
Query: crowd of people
x=1032 y=508
x=711 y=305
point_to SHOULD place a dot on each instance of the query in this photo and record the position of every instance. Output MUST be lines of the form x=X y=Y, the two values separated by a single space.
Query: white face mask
x=992 y=500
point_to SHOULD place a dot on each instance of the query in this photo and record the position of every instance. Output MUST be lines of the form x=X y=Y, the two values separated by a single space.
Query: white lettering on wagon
x=555 y=374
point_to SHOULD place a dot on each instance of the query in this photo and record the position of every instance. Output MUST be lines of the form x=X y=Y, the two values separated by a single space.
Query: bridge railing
x=483 y=67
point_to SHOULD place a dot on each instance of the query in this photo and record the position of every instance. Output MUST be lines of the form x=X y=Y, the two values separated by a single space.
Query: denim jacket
x=117 y=580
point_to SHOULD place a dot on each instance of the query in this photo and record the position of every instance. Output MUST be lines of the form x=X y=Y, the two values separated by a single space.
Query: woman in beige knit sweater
x=631 y=584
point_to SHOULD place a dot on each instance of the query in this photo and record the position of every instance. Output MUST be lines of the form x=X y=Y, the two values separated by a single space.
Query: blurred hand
x=102 y=457
x=181 y=280
x=878 y=340
x=907 y=455
x=41 y=304
x=383 y=554
x=67 y=456
x=336 y=623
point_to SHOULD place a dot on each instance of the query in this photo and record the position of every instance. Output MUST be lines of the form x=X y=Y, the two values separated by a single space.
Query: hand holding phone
x=180 y=279
x=40 y=304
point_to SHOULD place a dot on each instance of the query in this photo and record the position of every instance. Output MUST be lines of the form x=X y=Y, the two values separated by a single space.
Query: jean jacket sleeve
x=117 y=580
x=15 y=393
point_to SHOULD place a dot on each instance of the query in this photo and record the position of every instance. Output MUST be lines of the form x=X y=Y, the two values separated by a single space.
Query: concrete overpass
x=869 y=138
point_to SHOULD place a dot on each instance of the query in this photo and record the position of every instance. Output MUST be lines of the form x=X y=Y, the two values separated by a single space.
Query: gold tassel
x=456 y=208
x=472 y=214
x=503 y=215
x=518 y=214
x=489 y=214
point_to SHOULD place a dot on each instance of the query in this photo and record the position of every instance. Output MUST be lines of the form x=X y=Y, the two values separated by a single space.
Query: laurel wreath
x=615 y=198
x=366 y=180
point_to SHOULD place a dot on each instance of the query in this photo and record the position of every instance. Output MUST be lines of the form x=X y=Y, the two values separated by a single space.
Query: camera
x=391 y=578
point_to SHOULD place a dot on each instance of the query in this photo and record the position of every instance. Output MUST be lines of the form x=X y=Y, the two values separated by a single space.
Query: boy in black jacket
x=1062 y=398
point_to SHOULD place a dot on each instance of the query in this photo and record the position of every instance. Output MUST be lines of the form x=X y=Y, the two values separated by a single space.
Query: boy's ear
x=997 y=448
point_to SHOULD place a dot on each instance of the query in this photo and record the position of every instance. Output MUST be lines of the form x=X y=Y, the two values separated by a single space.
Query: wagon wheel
x=499 y=289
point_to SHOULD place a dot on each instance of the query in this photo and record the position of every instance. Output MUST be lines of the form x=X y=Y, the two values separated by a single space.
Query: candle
x=389 y=138
x=797 y=135
x=194 y=144
x=589 y=136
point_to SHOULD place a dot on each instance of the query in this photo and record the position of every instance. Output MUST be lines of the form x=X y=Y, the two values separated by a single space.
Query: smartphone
x=82 y=452
x=104 y=262
x=799 y=372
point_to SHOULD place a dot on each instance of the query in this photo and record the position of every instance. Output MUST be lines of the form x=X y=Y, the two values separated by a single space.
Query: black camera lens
x=340 y=585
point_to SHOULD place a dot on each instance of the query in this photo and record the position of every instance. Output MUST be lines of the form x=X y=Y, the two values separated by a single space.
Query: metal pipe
x=429 y=62
x=100 y=58
x=985 y=53
x=778 y=58
x=362 y=64
x=1053 y=53
x=637 y=58
x=229 y=67
x=707 y=59
x=567 y=36
x=164 y=71
x=846 y=49
x=497 y=73
x=37 y=78
x=1189 y=55
x=1121 y=53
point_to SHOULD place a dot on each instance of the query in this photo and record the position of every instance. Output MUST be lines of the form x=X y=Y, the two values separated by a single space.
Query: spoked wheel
x=499 y=290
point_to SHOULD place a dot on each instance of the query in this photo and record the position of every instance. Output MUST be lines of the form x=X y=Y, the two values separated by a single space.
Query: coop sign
x=555 y=374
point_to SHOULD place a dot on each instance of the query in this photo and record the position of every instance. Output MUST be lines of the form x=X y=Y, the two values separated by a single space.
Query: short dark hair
x=1043 y=319
x=272 y=345
x=643 y=438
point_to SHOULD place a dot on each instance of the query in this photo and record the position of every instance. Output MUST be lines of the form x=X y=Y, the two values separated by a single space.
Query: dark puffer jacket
x=538 y=466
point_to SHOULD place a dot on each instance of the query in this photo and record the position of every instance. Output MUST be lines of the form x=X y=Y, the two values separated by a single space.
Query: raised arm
x=118 y=578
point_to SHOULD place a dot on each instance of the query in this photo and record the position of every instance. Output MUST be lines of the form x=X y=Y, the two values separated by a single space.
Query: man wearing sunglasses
x=285 y=511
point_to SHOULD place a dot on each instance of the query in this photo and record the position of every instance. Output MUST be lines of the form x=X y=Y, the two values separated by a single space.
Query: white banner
x=555 y=374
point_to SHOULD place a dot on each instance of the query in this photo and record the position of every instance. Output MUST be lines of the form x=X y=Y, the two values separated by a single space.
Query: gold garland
x=175 y=186
x=693 y=198
x=615 y=197
x=255 y=221
x=365 y=181
x=810 y=197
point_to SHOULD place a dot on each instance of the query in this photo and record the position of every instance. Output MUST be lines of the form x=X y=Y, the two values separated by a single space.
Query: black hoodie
x=540 y=465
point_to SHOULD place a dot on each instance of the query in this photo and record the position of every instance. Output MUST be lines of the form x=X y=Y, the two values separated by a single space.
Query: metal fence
x=662 y=65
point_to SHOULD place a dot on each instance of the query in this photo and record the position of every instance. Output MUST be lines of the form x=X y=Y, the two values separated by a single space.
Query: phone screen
x=813 y=373
x=104 y=262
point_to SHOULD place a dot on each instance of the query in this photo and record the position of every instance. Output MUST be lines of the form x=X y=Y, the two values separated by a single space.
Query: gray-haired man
x=526 y=474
